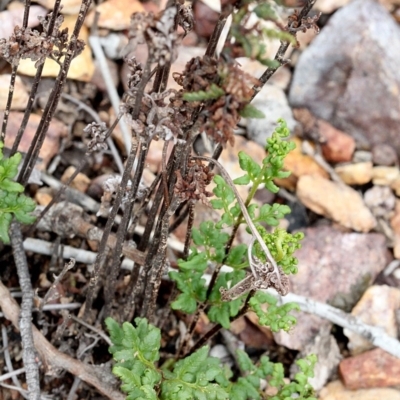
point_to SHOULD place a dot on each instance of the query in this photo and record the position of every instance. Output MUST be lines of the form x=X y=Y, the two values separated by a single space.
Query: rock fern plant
x=196 y=375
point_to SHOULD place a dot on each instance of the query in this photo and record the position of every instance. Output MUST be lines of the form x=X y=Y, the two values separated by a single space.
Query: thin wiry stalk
x=141 y=208
x=112 y=274
x=35 y=85
x=212 y=44
x=98 y=267
x=9 y=100
x=13 y=77
x=158 y=264
x=48 y=113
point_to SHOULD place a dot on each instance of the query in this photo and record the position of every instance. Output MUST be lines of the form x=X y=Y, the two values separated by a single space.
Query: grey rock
x=335 y=268
x=273 y=103
x=349 y=75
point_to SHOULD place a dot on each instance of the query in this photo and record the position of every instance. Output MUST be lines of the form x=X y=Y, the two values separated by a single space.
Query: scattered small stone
x=332 y=264
x=362 y=156
x=355 y=174
x=372 y=369
x=384 y=175
x=336 y=201
x=337 y=146
x=376 y=307
x=114 y=45
x=20 y=97
x=380 y=200
x=115 y=14
x=43 y=196
x=336 y=391
x=395 y=225
x=309 y=124
x=81 y=181
x=51 y=142
x=383 y=154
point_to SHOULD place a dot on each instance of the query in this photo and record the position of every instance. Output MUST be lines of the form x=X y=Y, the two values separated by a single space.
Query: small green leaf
x=185 y=302
x=250 y=111
x=10 y=186
x=213 y=93
x=243 y=180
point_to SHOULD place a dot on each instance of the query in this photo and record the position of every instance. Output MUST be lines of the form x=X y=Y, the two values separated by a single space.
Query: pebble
x=336 y=391
x=273 y=103
x=115 y=14
x=20 y=97
x=81 y=181
x=376 y=307
x=383 y=154
x=372 y=369
x=51 y=142
x=337 y=146
x=335 y=201
x=380 y=200
x=384 y=175
x=355 y=174
x=362 y=156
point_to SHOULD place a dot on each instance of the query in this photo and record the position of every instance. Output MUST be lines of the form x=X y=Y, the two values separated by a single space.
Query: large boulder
x=349 y=75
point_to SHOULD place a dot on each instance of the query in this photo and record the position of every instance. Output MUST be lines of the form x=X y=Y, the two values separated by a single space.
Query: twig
x=108 y=80
x=55 y=307
x=98 y=377
x=52 y=293
x=28 y=347
x=74 y=388
x=11 y=373
x=92 y=328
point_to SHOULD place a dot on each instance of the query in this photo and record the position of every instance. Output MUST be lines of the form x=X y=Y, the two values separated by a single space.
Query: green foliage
x=282 y=245
x=135 y=351
x=277 y=149
x=276 y=317
x=250 y=111
x=299 y=388
x=213 y=93
x=210 y=240
x=198 y=376
x=12 y=201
